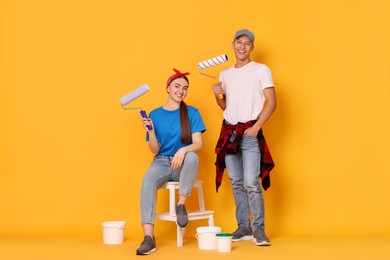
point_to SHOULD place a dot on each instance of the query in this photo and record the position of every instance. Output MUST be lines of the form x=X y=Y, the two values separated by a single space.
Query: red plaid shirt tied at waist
x=228 y=143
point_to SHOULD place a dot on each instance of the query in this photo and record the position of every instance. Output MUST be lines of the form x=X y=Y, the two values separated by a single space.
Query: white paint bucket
x=113 y=232
x=206 y=237
x=224 y=242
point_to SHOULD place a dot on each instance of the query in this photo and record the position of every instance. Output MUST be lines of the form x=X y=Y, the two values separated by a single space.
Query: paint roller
x=212 y=62
x=134 y=95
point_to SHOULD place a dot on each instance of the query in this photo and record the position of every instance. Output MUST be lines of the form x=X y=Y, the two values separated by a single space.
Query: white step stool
x=202 y=213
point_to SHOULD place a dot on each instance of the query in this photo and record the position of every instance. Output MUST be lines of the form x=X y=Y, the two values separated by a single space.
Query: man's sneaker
x=242 y=233
x=147 y=246
x=260 y=238
x=181 y=215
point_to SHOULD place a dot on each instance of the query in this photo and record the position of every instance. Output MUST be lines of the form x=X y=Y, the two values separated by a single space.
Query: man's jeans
x=243 y=169
x=159 y=173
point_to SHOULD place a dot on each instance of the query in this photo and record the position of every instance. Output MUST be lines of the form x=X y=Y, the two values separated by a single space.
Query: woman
x=174 y=138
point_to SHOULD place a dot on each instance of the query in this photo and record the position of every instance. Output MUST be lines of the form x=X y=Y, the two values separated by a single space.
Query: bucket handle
x=196 y=235
x=115 y=227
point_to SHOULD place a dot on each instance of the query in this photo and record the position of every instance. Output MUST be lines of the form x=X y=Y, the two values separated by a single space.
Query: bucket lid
x=114 y=224
x=208 y=230
x=223 y=235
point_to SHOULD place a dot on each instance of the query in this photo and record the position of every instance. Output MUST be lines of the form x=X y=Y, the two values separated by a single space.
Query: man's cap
x=245 y=32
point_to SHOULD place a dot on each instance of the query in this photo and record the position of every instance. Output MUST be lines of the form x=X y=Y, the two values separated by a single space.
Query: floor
x=75 y=248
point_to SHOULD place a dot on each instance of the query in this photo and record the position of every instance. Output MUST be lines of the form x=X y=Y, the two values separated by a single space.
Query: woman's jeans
x=243 y=169
x=159 y=173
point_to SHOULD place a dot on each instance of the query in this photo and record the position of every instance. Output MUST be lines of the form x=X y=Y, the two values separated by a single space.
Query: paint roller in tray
x=210 y=63
x=133 y=95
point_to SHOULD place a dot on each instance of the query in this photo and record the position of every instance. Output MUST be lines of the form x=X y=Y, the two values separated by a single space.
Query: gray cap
x=245 y=32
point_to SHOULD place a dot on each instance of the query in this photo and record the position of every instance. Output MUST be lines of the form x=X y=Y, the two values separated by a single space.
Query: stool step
x=192 y=215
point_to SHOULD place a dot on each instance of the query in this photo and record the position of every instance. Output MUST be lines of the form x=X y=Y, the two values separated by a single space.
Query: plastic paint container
x=113 y=232
x=206 y=237
x=224 y=242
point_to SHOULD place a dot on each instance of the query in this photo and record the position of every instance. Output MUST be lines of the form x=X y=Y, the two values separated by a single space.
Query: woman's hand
x=153 y=143
x=178 y=158
x=148 y=122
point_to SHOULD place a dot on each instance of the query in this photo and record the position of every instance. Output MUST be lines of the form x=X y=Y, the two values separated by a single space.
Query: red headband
x=176 y=75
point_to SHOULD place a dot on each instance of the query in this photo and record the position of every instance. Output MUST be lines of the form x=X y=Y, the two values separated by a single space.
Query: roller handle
x=143 y=114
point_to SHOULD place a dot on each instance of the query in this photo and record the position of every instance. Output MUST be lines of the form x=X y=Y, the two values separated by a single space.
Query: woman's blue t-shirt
x=168 y=129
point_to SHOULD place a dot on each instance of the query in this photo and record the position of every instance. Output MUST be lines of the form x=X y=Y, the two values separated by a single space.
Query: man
x=248 y=102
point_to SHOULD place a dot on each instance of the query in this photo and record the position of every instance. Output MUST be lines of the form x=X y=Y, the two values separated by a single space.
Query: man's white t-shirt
x=244 y=91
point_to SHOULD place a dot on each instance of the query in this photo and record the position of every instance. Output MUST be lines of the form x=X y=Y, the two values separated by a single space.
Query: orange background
x=71 y=158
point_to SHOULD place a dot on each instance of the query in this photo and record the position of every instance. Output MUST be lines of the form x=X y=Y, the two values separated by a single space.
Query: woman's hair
x=184 y=120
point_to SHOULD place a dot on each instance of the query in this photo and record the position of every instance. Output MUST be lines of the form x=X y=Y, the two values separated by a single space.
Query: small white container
x=206 y=237
x=113 y=232
x=224 y=242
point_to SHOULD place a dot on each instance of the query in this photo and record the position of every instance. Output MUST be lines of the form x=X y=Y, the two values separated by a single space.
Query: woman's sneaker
x=147 y=246
x=181 y=215
x=260 y=238
x=242 y=233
